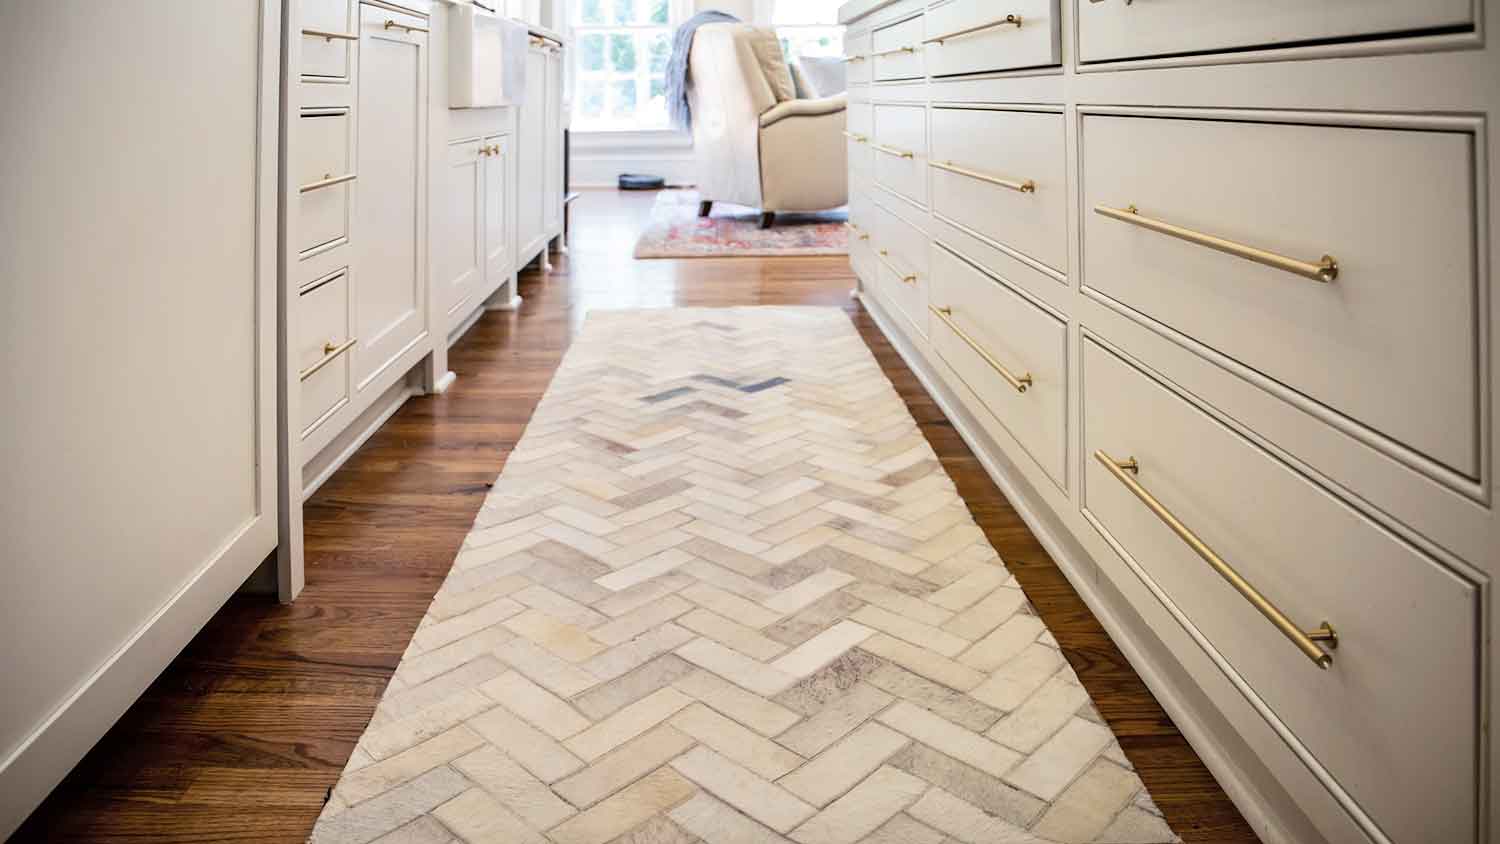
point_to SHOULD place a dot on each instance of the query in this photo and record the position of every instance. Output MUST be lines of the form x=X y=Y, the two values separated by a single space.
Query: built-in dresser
x=1206 y=286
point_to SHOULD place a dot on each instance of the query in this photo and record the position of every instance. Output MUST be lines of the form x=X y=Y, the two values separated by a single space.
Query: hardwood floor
x=242 y=736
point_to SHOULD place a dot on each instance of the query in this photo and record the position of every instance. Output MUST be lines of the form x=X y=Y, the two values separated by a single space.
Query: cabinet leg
x=705 y=207
x=767 y=219
x=546 y=258
x=506 y=298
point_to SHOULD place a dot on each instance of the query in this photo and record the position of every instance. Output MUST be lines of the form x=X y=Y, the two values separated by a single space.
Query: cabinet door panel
x=531 y=164
x=390 y=301
x=461 y=226
x=552 y=145
x=497 y=258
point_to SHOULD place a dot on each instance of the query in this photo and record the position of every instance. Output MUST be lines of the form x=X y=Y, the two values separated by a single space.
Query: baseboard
x=1210 y=735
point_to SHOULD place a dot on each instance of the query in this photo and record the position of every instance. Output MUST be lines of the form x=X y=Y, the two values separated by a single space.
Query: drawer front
x=860 y=118
x=896 y=50
x=900 y=148
x=857 y=61
x=1115 y=29
x=861 y=232
x=1003 y=174
x=323 y=149
x=1401 y=693
x=978 y=36
x=323 y=348
x=1404 y=244
x=901 y=255
x=993 y=337
x=329 y=39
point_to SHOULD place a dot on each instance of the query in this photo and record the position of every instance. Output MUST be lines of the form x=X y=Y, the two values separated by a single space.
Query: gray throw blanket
x=677 y=67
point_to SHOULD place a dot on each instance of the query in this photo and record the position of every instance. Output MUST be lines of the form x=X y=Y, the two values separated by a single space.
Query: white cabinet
x=390 y=299
x=498 y=265
x=531 y=161
x=138 y=433
x=552 y=147
x=459 y=230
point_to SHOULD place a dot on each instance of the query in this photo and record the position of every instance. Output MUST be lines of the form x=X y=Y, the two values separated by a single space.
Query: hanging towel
x=677 y=66
x=515 y=38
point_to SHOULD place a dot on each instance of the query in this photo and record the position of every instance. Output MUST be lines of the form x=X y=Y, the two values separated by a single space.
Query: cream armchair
x=755 y=144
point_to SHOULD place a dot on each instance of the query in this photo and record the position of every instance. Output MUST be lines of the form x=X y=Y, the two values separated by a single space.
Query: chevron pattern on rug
x=723 y=591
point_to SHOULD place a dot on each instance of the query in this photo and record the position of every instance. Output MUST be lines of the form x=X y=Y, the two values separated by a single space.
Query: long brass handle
x=854 y=59
x=906 y=50
x=1021 y=382
x=1008 y=20
x=390 y=24
x=856 y=137
x=1027 y=186
x=327 y=181
x=858 y=232
x=1307 y=642
x=330 y=36
x=906 y=278
x=899 y=153
x=330 y=352
x=1325 y=270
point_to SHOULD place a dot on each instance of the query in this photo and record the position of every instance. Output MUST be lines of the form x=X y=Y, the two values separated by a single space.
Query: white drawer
x=1003 y=174
x=900 y=147
x=978 y=36
x=857 y=59
x=1118 y=29
x=1011 y=353
x=861 y=232
x=896 y=50
x=324 y=176
x=329 y=39
x=323 y=348
x=901 y=254
x=1394 y=207
x=860 y=118
x=1394 y=719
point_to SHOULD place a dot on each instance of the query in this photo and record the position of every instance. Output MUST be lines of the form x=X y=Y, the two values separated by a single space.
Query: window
x=622 y=52
x=809 y=27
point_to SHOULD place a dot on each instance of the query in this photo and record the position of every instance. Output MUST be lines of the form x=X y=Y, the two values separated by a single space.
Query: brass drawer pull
x=1027 y=186
x=1325 y=270
x=899 y=153
x=856 y=137
x=330 y=352
x=330 y=36
x=1307 y=642
x=855 y=59
x=390 y=24
x=859 y=233
x=1008 y=20
x=906 y=278
x=1021 y=383
x=327 y=181
x=899 y=50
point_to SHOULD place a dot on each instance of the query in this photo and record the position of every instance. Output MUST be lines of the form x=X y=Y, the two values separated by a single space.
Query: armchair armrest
x=803 y=108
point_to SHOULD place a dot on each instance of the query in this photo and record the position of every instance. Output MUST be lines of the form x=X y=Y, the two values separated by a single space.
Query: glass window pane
x=623 y=99
x=661 y=52
x=591 y=51
x=622 y=52
x=590 y=11
x=590 y=99
x=624 y=11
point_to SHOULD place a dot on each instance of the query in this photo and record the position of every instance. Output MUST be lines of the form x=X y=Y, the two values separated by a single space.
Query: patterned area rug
x=723 y=591
x=676 y=231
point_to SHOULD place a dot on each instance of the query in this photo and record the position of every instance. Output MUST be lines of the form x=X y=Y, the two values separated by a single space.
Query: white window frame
x=630 y=135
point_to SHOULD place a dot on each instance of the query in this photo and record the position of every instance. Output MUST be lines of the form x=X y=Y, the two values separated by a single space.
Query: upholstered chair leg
x=767 y=219
x=705 y=207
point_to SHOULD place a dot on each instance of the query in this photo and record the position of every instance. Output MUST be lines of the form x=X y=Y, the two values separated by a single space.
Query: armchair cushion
x=803 y=108
x=767 y=49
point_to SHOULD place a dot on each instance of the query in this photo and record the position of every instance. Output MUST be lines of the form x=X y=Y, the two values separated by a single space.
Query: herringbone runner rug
x=723 y=591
